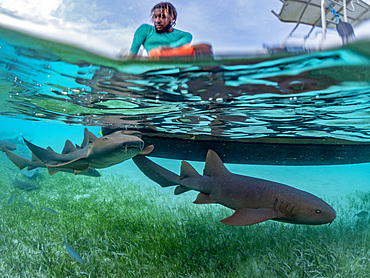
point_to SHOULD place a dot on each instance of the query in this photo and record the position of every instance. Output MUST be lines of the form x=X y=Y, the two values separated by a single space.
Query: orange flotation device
x=187 y=50
x=184 y=50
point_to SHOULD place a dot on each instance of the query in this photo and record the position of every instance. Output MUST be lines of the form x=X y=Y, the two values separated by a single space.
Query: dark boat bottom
x=264 y=151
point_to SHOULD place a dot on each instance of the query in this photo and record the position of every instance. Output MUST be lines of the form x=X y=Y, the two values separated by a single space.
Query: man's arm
x=139 y=38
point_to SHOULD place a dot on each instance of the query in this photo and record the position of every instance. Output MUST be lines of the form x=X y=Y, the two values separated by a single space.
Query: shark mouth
x=133 y=146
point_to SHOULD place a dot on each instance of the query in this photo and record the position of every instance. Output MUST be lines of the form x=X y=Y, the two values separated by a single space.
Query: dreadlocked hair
x=167 y=9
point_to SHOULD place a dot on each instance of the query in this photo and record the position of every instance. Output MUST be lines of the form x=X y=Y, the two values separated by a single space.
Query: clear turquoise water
x=50 y=92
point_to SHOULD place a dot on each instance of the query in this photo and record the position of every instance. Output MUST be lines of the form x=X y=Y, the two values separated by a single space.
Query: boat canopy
x=323 y=13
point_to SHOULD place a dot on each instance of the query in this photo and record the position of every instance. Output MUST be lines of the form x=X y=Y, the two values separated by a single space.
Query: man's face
x=160 y=20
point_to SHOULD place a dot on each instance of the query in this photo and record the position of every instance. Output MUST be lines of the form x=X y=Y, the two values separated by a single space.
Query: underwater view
x=252 y=166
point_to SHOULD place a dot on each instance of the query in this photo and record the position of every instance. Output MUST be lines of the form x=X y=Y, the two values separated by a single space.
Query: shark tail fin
x=35 y=163
x=214 y=165
x=39 y=152
x=155 y=172
x=187 y=171
x=20 y=162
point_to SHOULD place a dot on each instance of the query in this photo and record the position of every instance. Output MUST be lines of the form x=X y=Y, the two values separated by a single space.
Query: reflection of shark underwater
x=254 y=200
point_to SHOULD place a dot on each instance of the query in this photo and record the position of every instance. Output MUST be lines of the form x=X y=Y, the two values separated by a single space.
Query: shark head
x=112 y=149
x=311 y=211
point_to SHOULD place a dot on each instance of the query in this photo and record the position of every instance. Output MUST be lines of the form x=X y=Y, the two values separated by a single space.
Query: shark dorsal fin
x=187 y=171
x=214 y=165
x=50 y=149
x=68 y=147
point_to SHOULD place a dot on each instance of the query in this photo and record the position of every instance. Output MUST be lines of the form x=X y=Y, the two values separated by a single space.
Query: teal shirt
x=147 y=36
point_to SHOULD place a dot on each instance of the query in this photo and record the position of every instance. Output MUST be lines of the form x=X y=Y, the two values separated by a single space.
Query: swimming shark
x=23 y=185
x=254 y=200
x=35 y=163
x=95 y=152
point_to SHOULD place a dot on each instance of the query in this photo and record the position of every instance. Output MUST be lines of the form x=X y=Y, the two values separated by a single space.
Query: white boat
x=325 y=14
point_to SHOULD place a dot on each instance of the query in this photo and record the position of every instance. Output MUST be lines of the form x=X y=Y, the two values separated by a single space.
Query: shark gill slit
x=284 y=207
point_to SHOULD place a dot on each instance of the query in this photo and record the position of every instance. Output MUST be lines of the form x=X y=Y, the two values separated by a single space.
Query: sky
x=107 y=26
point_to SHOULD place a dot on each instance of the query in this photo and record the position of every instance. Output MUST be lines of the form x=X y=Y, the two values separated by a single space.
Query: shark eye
x=318 y=211
x=105 y=139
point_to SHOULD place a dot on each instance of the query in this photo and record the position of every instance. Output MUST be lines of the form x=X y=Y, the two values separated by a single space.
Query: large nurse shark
x=94 y=152
x=254 y=200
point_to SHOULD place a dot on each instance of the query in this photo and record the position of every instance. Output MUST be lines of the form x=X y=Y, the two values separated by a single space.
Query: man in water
x=162 y=35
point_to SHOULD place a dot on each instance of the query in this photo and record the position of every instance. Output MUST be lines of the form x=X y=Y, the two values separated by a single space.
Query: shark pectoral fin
x=147 y=150
x=52 y=171
x=204 y=199
x=247 y=216
x=76 y=172
x=181 y=189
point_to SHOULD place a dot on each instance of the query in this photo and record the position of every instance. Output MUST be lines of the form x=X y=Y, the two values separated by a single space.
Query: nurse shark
x=36 y=163
x=94 y=152
x=254 y=200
